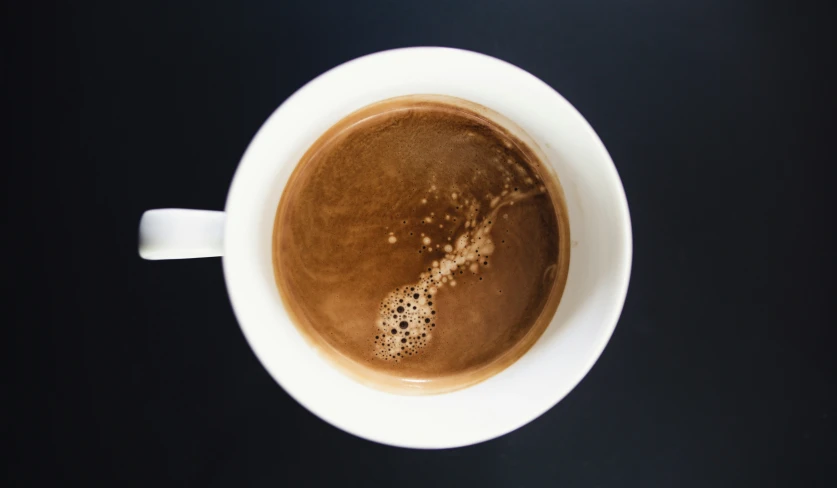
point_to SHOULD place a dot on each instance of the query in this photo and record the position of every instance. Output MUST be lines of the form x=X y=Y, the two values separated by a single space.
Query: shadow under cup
x=596 y=284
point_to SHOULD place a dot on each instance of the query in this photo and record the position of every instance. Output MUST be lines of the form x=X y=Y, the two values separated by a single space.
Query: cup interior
x=599 y=267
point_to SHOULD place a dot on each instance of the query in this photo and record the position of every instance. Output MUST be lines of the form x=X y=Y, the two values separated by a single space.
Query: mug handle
x=180 y=233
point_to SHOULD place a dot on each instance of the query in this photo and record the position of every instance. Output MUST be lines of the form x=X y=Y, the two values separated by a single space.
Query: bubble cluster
x=405 y=319
x=407 y=315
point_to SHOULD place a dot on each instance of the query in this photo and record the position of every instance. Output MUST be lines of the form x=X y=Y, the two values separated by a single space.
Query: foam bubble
x=392 y=239
x=411 y=308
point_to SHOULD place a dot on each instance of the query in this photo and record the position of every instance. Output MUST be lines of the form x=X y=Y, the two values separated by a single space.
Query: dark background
x=718 y=114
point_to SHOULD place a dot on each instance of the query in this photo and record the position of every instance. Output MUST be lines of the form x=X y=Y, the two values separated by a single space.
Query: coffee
x=421 y=245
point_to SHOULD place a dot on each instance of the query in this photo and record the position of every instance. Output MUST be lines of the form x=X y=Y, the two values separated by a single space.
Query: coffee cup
x=596 y=284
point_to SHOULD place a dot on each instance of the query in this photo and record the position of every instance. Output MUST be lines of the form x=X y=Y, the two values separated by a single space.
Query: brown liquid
x=421 y=245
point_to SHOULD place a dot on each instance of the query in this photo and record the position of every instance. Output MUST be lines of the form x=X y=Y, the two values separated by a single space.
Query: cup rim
x=255 y=332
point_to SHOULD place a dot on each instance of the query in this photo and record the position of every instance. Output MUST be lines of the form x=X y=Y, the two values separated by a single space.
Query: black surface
x=718 y=115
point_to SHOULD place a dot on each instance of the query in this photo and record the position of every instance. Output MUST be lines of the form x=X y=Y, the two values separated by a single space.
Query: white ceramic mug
x=599 y=269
